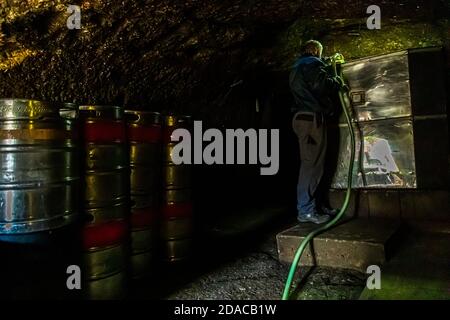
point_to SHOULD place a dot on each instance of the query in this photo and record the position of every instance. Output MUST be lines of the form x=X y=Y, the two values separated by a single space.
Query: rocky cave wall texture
x=207 y=58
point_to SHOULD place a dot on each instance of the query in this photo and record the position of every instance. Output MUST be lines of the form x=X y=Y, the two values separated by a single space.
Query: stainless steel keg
x=39 y=167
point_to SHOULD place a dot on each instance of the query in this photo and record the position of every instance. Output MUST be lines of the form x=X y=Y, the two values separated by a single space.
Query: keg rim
x=25 y=109
x=144 y=116
x=68 y=110
x=114 y=111
x=173 y=120
x=98 y=107
x=142 y=111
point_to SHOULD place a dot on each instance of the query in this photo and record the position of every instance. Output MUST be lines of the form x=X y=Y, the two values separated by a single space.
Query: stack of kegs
x=144 y=136
x=177 y=223
x=125 y=213
x=106 y=202
x=38 y=196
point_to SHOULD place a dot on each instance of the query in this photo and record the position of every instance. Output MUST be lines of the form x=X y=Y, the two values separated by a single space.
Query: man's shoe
x=329 y=211
x=313 y=217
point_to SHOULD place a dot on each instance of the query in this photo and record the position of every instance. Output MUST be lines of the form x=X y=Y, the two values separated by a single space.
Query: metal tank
x=39 y=170
x=106 y=202
x=39 y=197
x=177 y=209
x=399 y=111
x=144 y=137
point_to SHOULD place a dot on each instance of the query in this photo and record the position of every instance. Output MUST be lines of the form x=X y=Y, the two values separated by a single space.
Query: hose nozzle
x=337 y=58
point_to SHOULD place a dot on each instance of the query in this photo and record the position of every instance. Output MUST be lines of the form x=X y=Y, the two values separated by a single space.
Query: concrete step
x=353 y=244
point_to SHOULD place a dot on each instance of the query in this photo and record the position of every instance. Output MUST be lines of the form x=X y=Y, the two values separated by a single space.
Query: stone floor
x=325 y=283
x=257 y=274
x=246 y=267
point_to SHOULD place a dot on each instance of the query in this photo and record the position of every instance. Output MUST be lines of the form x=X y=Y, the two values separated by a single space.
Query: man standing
x=313 y=89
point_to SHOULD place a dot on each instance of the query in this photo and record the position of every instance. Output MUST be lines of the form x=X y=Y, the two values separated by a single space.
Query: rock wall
x=151 y=54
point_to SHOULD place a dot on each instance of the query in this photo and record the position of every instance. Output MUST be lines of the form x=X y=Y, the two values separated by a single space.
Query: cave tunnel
x=97 y=96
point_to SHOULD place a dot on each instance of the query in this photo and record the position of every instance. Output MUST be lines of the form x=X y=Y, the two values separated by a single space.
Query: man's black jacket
x=312 y=86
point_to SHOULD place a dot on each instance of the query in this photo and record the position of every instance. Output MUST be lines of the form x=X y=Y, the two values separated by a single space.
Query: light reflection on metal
x=379 y=86
x=39 y=171
x=389 y=96
x=388 y=155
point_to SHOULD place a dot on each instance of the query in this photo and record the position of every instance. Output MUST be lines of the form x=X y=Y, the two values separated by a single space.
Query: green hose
x=321 y=229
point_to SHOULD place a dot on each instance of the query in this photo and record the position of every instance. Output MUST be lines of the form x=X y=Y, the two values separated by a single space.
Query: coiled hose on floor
x=335 y=59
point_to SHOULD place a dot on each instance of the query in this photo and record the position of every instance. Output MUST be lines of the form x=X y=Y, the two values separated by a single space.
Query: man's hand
x=342 y=83
x=346 y=88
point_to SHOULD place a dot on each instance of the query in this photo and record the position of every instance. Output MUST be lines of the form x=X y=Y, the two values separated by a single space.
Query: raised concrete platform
x=353 y=244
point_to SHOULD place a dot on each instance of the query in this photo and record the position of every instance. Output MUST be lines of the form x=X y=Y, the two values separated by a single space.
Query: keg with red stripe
x=144 y=137
x=177 y=223
x=106 y=203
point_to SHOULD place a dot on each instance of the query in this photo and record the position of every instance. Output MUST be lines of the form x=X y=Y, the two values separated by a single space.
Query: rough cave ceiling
x=161 y=54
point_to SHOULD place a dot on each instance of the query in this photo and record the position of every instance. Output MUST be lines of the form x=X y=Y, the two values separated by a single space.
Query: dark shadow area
x=34 y=265
x=223 y=190
x=209 y=254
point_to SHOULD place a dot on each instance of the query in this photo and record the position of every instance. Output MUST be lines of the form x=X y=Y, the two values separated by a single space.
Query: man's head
x=312 y=47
